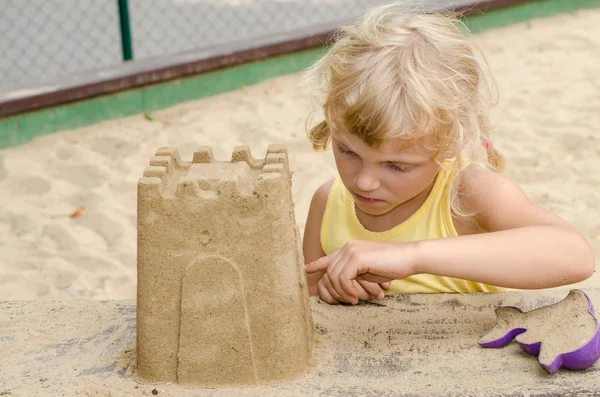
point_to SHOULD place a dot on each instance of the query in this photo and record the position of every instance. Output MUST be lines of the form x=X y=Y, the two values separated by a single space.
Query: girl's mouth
x=367 y=200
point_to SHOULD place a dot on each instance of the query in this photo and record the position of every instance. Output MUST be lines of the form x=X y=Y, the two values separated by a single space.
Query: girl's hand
x=366 y=290
x=373 y=261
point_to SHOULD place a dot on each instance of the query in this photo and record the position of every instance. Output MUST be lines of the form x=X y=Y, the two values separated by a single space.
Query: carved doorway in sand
x=215 y=345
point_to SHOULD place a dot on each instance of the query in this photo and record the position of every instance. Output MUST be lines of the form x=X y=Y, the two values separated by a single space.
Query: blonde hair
x=400 y=73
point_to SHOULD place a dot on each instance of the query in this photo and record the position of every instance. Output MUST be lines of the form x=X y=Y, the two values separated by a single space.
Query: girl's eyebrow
x=395 y=161
x=339 y=143
x=338 y=140
x=344 y=145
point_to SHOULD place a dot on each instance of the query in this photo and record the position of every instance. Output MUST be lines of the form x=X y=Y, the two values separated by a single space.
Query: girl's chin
x=373 y=209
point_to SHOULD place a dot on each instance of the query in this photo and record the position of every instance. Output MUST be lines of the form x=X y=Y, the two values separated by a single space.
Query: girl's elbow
x=589 y=264
x=586 y=261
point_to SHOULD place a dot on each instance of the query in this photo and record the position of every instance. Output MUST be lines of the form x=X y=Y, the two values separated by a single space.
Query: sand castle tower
x=221 y=298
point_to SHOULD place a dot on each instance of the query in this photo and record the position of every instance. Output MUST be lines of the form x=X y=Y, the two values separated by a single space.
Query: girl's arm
x=526 y=247
x=311 y=242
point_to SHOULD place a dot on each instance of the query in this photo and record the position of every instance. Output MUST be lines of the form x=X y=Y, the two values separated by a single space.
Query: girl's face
x=381 y=180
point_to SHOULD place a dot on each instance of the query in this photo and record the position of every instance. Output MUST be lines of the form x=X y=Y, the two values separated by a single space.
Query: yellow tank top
x=432 y=220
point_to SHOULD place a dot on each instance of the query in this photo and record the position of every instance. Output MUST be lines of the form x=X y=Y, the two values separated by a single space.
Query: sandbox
x=417 y=345
x=402 y=346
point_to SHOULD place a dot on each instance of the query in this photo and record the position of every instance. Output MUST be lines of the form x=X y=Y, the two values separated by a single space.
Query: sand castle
x=221 y=298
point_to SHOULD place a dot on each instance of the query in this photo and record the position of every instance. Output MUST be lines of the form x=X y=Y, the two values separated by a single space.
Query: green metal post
x=125 y=30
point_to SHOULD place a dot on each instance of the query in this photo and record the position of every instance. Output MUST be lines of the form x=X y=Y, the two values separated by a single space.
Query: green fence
x=125 y=24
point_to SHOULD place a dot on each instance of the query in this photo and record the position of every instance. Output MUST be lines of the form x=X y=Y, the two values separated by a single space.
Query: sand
x=68 y=233
x=403 y=346
x=547 y=119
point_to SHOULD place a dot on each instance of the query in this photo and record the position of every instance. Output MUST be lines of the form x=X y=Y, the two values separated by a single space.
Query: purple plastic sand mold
x=580 y=358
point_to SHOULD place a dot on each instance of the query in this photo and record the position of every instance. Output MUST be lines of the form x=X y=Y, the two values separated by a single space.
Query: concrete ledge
x=419 y=345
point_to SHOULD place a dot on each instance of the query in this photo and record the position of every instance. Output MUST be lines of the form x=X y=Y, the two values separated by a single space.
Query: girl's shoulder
x=483 y=195
x=318 y=203
x=472 y=183
x=312 y=249
x=478 y=186
x=321 y=195
x=496 y=202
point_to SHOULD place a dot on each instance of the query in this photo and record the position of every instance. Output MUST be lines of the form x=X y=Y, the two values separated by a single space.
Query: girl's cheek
x=351 y=168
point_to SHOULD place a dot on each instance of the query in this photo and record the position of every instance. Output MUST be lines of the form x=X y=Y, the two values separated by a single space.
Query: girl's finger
x=333 y=271
x=346 y=278
x=349 y=290
x=325 y=295
x=326 y=282
x=363 y=293
x=373 y=289
x=384 y=281
x=320 y=264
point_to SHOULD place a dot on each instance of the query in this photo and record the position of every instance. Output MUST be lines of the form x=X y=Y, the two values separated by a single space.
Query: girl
x=420 y=204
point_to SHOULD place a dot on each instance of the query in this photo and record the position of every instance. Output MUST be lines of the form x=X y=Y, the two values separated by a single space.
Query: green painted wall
x=20 y=129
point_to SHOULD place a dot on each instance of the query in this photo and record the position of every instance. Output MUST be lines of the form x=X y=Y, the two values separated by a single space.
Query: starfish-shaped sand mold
x=563 y=335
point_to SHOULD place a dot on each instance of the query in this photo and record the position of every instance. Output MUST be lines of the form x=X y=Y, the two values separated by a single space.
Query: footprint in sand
x=72 y=153
x=122 y=287
x=21 y=225
x=108 y=228
x=63 y=279
x=88 y=264
x=114 y=147
x=25 y=186
x=26 y=264
x=56 y=238
x=5 y=228
x=574 y=143
x=127 y=259
x=24 y=289
x=87 y=199
x=84 y=176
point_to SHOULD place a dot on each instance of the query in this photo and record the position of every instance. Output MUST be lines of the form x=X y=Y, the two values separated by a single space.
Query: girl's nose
x=366 y=180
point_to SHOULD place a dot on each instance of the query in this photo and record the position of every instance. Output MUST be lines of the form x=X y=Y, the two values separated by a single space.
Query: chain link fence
x=205 y=23
x=41 y=40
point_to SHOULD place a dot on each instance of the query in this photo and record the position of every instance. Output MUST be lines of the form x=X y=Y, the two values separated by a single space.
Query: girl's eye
x=392 y=166
x=398 y=168
x=345 y=151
